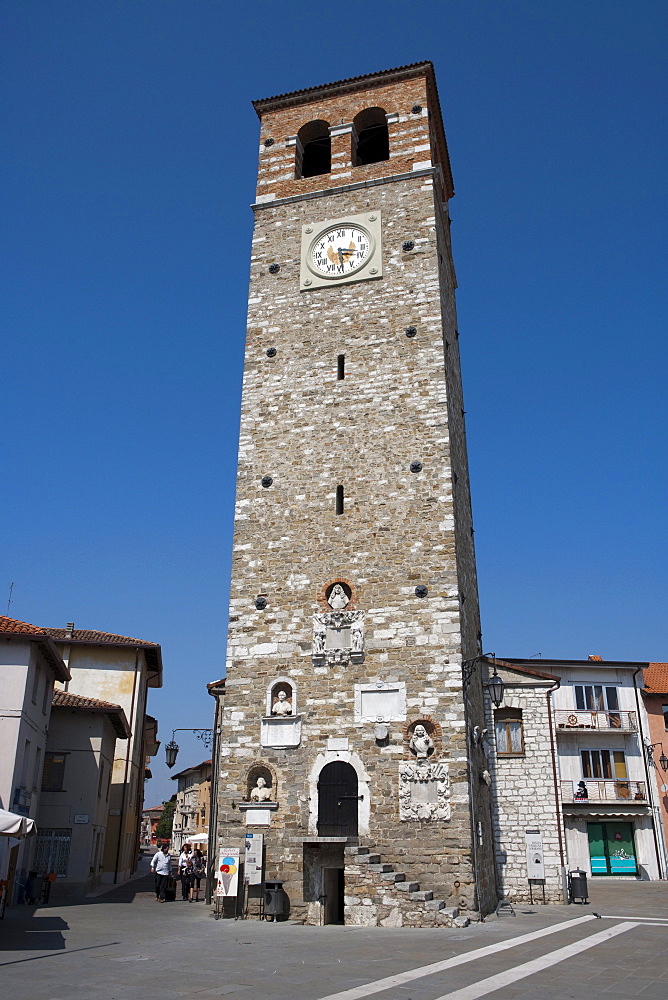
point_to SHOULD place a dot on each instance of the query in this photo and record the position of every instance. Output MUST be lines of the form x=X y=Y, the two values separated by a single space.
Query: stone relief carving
x=338 y=636
x=424 y=790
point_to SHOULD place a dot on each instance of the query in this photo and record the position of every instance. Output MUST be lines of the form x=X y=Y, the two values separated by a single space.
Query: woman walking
x=199 y=871
x=186 y=872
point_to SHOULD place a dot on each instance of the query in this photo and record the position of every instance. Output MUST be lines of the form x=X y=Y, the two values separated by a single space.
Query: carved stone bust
x=421 y=742
x=282 y=705
x=337 y=598
x=260 y=793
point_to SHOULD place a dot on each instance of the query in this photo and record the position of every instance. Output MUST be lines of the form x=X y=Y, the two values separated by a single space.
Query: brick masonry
x=400 y=401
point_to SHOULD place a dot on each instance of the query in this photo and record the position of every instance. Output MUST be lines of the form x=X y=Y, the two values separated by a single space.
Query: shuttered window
x=54 y=772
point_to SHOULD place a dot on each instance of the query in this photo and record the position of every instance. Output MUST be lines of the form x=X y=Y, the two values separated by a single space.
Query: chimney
x=70 y=630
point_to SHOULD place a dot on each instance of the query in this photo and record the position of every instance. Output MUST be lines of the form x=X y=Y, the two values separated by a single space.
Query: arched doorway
x=337 y=800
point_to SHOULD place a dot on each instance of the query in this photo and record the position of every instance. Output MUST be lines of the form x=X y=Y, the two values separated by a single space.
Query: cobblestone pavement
x=123 y=946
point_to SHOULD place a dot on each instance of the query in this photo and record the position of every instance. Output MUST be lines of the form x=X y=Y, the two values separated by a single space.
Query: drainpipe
x=557 y=804
x=127 y=766
x=660 y=855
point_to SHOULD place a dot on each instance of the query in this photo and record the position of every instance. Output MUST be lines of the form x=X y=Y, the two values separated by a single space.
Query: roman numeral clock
x=340 y=251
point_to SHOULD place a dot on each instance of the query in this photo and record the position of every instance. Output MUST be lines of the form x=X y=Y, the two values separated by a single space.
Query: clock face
x=339 y=251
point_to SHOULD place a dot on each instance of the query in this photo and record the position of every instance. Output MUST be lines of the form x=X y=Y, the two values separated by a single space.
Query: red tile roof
x=656 y=678
x=12 y=627
x=89 y=635
x=67 y=699
x=350 y=82
x=19 y=628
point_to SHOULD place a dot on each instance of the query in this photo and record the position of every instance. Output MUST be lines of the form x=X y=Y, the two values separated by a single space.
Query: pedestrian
x=161 y=866
x=186 y=872
x=199 y=871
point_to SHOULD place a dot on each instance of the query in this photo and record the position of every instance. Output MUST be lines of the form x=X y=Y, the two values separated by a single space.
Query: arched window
x=371 y=142
x=316 y=150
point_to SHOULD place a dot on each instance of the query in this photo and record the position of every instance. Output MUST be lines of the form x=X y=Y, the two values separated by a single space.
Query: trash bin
x=274 y=899
x=577 y=886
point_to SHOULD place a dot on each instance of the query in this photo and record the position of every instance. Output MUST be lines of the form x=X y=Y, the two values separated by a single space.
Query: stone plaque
x=337 y=743
x=258 y=817
x=281 y=731
x=424 y=791
x=380 y=702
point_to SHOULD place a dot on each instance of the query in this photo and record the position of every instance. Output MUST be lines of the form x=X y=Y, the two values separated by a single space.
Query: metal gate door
x=337 y=800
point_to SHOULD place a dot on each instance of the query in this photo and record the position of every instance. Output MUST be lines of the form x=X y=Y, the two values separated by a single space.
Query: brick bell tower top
x=311 y=139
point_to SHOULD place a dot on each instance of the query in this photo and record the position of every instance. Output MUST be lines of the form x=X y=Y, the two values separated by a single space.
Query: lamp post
x=663 y=760
x=172 y=748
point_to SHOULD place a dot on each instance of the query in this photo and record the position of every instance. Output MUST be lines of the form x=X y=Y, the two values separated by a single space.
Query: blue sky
x=129 y=168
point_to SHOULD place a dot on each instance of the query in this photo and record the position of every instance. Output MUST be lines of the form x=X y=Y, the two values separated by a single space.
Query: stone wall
x=524 y=792
x=307 y=430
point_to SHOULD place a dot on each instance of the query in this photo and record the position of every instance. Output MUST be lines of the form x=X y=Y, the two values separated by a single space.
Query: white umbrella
x=13 y=825
x=197 y=838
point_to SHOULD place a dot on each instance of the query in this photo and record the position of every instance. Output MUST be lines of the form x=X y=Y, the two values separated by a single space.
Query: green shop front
x=611 y=843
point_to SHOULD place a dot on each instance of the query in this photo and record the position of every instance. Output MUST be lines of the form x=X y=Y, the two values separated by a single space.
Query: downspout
x=127 y=765
x=557 y=804
x=660 y=860
x=213 y=808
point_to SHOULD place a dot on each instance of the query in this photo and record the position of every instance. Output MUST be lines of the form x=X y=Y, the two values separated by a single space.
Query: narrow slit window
x=341 y=367
x=339 y=499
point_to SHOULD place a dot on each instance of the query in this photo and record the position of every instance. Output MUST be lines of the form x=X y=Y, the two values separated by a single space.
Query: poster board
x=227 y=874
x=253 y=863
x=534 y=854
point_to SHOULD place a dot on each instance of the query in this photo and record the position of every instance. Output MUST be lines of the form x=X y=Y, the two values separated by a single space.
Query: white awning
x=197 y=838
x=13 y=825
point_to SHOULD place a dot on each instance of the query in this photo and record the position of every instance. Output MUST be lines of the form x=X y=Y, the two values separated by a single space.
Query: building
x=149 y=822
x=193 y=801
x=570 y=772
x=353 y=677
x=119 y=670
x=30 y=663
x=655 y=698
x=74 y=804
x=522 y=760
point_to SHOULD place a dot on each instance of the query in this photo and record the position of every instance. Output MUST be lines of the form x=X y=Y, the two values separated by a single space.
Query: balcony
x=605 y=722
x=605 y=790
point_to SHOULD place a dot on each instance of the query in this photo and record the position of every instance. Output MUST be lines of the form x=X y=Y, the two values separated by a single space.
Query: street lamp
x=663 y=760
x=172 y=748
x=496 y=689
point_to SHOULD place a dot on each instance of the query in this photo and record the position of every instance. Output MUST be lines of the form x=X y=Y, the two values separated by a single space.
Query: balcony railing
x=607 y=722
x=604 y=790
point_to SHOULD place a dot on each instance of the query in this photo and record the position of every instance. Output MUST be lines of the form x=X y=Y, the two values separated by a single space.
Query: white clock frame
x=371 y=269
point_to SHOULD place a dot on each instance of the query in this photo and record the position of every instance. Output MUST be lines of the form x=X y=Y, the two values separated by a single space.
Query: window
x=25 y=764
x=100 y=780
x=605 y=764
x=54 y=772
x=596 y=698
x=314 y=150
x=35 y=683
x=339 y=499
x=508 y=730
x=38 y=767
x=665 y=716
x=46 y=695
x=341 y=367
x=371 y=142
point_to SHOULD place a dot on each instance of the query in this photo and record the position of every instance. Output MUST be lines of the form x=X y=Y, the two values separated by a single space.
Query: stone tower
x=354 y=609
